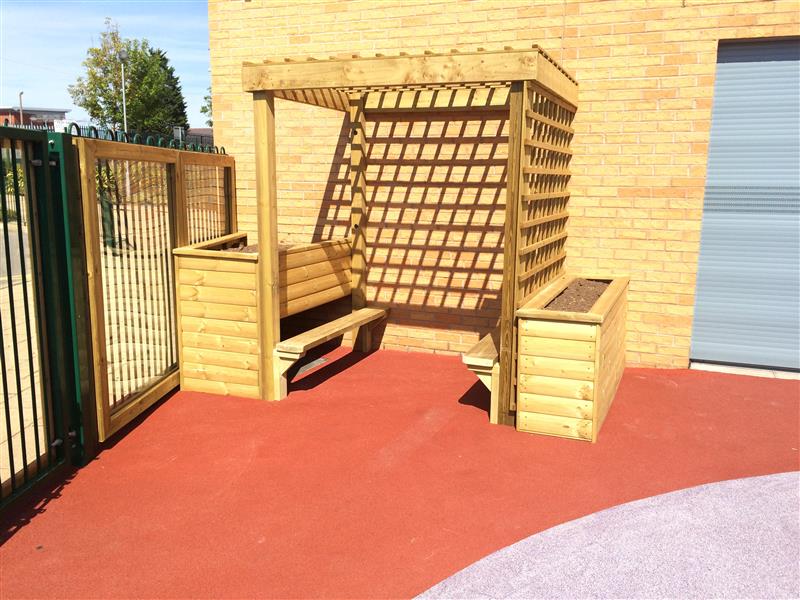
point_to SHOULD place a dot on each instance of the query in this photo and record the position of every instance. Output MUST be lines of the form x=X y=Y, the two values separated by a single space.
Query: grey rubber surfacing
x=732 y=539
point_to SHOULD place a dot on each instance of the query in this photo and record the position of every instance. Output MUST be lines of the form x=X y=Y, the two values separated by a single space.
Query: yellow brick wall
x=646 y=74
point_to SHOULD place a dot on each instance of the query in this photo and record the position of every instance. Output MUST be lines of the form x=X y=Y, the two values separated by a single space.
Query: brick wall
x=646 y=74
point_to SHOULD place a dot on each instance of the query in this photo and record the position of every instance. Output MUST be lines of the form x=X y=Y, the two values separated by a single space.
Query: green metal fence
x=39 y=374
x=71 y=207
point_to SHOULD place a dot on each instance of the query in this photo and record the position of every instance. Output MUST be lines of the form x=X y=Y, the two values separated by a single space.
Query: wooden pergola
x=540 y=98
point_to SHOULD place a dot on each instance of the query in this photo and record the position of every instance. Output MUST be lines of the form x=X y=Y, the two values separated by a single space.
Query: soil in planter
x=579 y=296
x=253 y=248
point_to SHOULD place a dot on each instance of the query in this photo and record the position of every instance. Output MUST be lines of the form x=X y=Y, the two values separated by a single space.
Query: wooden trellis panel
x=536 y=222
x=544 y=195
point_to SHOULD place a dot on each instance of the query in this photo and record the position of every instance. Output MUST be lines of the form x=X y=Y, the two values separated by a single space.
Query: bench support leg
x=491 y=379
x=283 y=362
x=362 y=338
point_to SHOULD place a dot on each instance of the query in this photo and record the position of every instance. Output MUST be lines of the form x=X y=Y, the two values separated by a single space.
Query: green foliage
x=10 y=213
x=154 y=97
x=206 y=108
x=9 y=179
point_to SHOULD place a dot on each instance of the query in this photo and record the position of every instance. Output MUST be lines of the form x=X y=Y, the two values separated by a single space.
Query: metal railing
x=38 y=363
x=192 y=142
x=88 y=324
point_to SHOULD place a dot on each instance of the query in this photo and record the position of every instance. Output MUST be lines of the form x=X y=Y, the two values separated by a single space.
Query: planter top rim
x=534 y=308
x=207 y=248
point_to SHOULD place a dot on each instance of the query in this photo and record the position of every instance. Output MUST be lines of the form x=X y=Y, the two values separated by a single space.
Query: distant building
x=199 y=135
x=32 y=115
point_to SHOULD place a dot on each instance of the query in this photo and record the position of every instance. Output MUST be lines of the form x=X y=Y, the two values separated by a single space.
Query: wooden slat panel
x=221 y=374
x=230 y=312
x=329 y=98
x=545 y=171
x=219 y=279
x=212 y=341
x=334 y=244
x=542 y=243
x=313 y=286
x=553 y=405
x=489 y=97
x=556 y=386
x=532 y=114
x=580 y=429
x=216 y=264
x=572 y=349
x=545 y=196
x=319 y=253
x=545 y=146
x=217 y=295
x=542 y=220
x=311 y=271
x=219 y=326
x=234 y=360
x=541 y=266
x=292 y=307
x=558 y=330
x=220 y=388
x=557 y=367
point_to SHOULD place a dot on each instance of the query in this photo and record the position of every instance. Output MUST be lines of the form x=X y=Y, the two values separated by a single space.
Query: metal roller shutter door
x=748 y=285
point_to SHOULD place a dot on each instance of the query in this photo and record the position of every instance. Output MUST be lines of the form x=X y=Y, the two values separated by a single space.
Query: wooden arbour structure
x=540 y=98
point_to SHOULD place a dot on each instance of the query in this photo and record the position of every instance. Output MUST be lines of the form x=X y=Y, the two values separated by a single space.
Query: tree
x=206 y=109
x=154 y=97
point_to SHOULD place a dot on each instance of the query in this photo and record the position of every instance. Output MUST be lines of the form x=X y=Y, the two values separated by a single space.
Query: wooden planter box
x=219 y=311
x=569 y=363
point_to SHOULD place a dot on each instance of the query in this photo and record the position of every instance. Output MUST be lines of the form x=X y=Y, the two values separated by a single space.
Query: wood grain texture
x=219 y=314
x=485 y=353
x=555 y=405
x=239 y=329
x=507 y=342
x=387 y=72
x=300 y=344
x=580 y=429
x=268 y=262
x=221 y=388
x=570 y=369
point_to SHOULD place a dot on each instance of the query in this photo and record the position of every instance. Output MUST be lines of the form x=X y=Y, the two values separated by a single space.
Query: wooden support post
x=181 y=206
x=358 y=213
x=516 y=124
x=94 y=276
x=268 y=303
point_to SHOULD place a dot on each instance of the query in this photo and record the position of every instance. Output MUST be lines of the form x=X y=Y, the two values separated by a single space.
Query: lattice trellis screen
x=544 y=195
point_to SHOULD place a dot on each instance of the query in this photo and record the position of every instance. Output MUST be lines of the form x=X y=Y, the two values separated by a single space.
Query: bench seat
x=483 y=359
x=289 y=351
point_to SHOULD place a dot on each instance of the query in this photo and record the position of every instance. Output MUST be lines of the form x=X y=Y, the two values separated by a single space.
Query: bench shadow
x=311 y=379
x=477 y=396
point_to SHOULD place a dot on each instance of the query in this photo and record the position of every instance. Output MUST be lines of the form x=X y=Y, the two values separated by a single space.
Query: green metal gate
x=40 y=341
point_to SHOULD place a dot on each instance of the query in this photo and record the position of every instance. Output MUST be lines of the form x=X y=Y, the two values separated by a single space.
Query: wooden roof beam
x=405 y=70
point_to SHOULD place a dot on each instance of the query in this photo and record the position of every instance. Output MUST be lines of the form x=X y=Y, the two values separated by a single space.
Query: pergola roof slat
x=327 y=82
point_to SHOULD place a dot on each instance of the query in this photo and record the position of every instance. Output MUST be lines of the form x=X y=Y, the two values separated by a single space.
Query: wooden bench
x=483 y=360
x=288 y=352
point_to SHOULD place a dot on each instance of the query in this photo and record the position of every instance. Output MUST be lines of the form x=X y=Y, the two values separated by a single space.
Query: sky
x=44 y=42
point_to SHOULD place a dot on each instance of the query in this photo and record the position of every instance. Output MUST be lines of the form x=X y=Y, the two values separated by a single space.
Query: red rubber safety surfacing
x=378 y=477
